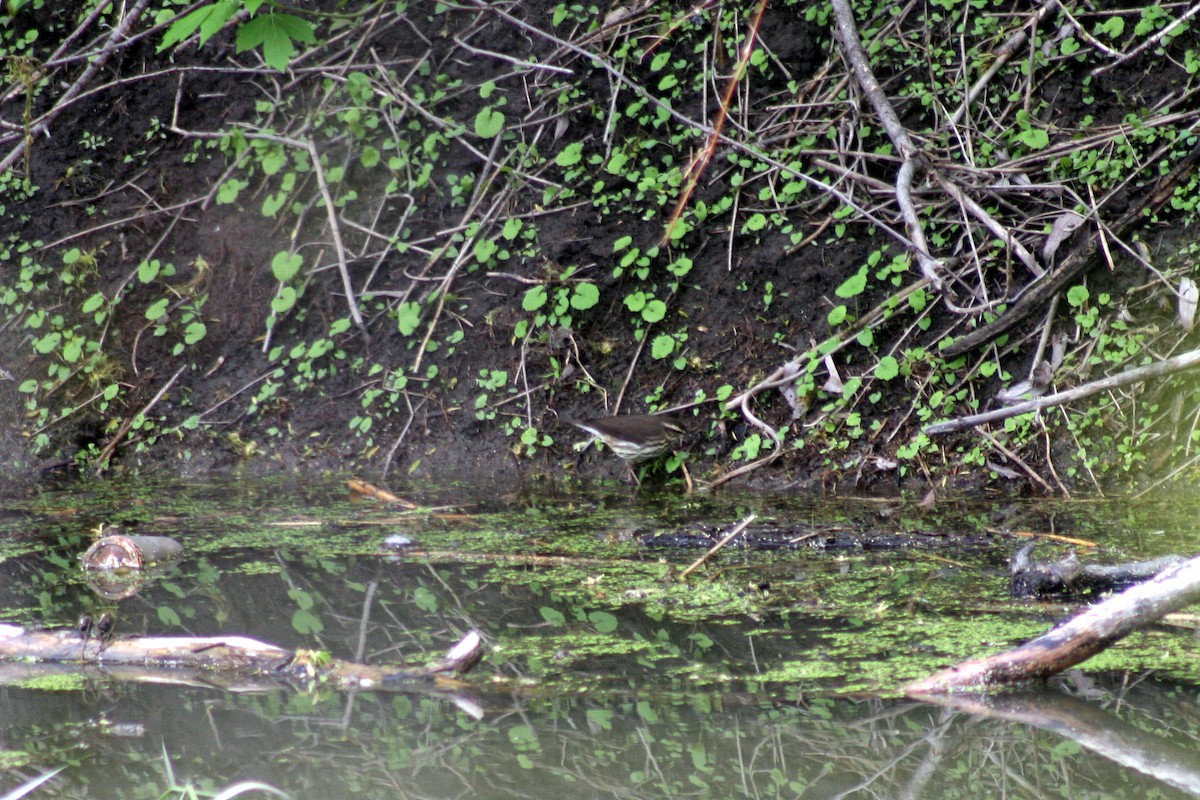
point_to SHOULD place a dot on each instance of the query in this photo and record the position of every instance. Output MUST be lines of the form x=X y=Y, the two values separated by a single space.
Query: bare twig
x=716 y=548
x=1150 y=42
x=1074 y=263
x=115 y=39
x=115 y=441
x=1170 y=366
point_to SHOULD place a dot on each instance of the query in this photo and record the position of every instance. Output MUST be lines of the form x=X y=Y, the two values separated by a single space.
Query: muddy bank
x=440 y=229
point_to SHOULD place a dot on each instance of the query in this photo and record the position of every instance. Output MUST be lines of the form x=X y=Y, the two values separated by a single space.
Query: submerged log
x=226 y=655
x=1077 y=639
x=1070 y=576
x=120 y=552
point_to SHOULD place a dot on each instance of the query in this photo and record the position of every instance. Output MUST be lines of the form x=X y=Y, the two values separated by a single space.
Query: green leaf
x=276 y=34
x=284 y=300
x=570 y=155
x=836 y=316
x=93 y=302
x=1034 y=138
x=1114 y=26
x=157 y=309
x=273 y=159
x=1077 y=296
x=194 y=332
x=208 y=20
x=408 y=318
x=654 y=311
x=72 y=350
x=272 y=203
x=680 y=266
x=229 y=191
x=887 y=368
x=484 y=250
x=534 y=299
x=488 y=123
x=854 y=285
x=285 y=265
x=585 y=296
x=148 y=270
x=663 y=346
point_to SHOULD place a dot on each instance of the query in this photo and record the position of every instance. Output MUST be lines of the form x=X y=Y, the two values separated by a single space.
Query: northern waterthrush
x=634 y=437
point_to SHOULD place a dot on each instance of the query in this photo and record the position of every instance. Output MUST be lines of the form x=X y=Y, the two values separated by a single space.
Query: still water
x=767 y=673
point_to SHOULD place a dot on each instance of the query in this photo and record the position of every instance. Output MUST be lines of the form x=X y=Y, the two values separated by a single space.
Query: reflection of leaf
x=168 y=616
x=522 y=736
x=552 y=615
x=425 y=600
x=603 y=621
x=601 y=717
x=306 y=622
x=303 y=599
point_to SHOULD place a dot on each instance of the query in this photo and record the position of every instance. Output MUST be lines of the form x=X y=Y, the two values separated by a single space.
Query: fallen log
x=227 y=656
x=1076 y=640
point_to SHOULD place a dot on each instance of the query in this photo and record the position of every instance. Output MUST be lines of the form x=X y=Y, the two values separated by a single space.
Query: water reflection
x=604 y=679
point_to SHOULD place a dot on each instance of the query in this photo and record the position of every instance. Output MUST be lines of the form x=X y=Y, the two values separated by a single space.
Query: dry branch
x=115 y=40
x=1075 y=263
x=1189 y=360
x=1076 y=640
x=228 y=655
